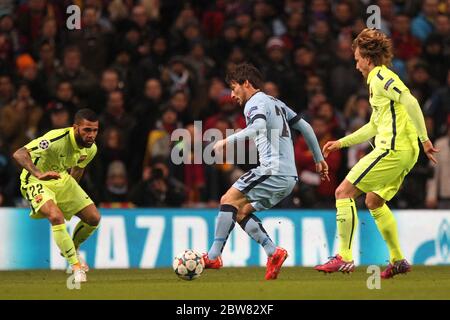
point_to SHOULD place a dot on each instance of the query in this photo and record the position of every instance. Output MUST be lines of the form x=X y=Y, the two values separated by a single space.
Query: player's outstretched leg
x=225 y=224
x=90 y=219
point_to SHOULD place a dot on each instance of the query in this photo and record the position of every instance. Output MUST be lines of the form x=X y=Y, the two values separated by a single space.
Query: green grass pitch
x=228 y=283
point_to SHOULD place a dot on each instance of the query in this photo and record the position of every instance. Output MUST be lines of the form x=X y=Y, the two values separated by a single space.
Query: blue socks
x=254 y=228
x=225 y=224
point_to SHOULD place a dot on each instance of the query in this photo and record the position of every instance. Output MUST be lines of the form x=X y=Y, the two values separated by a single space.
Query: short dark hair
x=243 y=72
x=85 y=114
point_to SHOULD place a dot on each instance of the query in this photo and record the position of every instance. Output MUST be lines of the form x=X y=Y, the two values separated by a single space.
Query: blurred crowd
x=149 y=67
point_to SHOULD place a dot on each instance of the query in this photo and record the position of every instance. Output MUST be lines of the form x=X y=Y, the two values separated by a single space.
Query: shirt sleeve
x=310 y=138
x=91 y=154
x=392 y=87
x=415 y=114
x=291 y=116
x=39 y=146
x=364 y=133
x=250 y=131
x=257 y=111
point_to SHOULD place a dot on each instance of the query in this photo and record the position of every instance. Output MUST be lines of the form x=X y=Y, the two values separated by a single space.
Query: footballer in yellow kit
x=53 y=192
x=396 y=123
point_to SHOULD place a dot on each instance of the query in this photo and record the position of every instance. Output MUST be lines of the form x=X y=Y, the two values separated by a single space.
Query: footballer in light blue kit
x=268 y=123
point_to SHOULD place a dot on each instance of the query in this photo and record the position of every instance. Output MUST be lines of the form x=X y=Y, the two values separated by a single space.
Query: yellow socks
x=384 y=218
x=346 y=221
x=65 y=243
x=82 y=232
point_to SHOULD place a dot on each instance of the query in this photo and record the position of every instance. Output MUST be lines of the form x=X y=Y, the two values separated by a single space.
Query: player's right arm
x=22 y=156
x=37 y=148
x=365 y=133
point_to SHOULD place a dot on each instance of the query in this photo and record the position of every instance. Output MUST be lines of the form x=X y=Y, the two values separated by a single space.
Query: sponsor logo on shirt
x=82 y=158
x=38 y=198
x=388 y=83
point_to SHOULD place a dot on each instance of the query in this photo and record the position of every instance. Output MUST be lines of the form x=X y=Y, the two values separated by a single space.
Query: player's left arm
x=415 y=114
x=311 y=140
x=77 y=173
x=396 y=90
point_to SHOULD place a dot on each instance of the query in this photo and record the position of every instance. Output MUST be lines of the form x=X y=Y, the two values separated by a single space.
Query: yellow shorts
x=382 y=171
x=66 y=193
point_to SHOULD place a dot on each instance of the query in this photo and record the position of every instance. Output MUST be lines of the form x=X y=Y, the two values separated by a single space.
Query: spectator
x=421 y=84
x=8 y=178
x=278 y=68
x=159 y=143
x=72 y=70
x=47 y=64
x=437 y=108
x=110 y=81
x=423 y=24
x=28 y=72
x=228 y=109
x=8 y=28
x=433 y=53
x=178 y=77
x=32 y=14
x=115 y=115
x=19 y=120
x=6 y=90
x=344 y=68
x=116 y=183
x=158 y=188
x=57 y=116
x=272 y=89
x=438 y=187
x=314 y=188
x=92 y=40
x=49 y=34
x=406 y=46
x=343 y=18
x=146 y=112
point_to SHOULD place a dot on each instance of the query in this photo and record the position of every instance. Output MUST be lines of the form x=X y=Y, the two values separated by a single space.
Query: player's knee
x=373 y=203
x=340 y=193
x=94 y=219
x=55 y=217
x=227 y=199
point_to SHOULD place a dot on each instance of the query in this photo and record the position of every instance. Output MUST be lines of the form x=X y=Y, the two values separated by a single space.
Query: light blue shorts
x=265 y=191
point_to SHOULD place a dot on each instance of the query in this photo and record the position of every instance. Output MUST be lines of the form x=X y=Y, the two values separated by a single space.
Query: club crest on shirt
x=82 y=158
x=44 y=144
x=38 y=198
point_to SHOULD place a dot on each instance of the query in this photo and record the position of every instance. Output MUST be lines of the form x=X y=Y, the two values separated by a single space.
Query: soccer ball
x=188 y=265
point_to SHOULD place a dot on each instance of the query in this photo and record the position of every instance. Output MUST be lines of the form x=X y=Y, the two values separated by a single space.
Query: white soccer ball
x=188 y=265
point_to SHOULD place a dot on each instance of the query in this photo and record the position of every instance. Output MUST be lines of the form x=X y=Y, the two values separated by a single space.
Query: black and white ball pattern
x=44 y=144
x=188 y=265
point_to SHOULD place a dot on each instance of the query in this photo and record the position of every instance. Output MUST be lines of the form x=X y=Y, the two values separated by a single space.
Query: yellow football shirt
x=58 y=151
x=395 y=130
